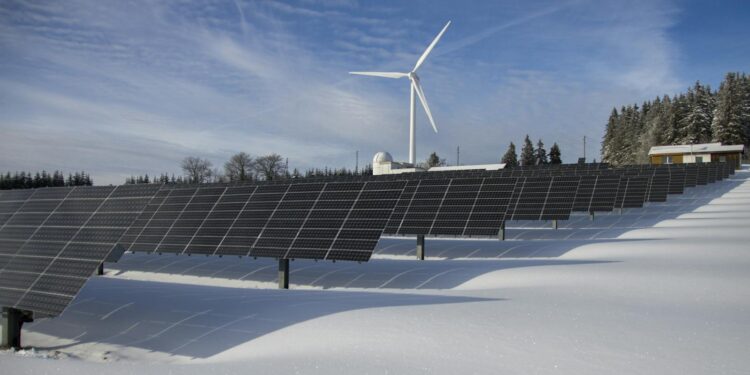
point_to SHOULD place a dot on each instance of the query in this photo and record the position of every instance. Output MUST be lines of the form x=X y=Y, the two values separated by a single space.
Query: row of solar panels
x=53 y=239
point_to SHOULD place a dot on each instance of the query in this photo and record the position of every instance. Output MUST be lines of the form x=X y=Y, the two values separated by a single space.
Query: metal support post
x=501 y=233
x=420 y=247
x=283 y=273
x=554 y=224
x=100 y=269
x=12 y=321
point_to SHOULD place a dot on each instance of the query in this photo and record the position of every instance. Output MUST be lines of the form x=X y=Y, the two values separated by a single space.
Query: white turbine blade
x=420 y=93
x=430 y=47
x=382 y=74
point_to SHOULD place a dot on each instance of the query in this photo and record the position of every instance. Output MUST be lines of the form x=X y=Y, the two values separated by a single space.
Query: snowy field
x=659 y=290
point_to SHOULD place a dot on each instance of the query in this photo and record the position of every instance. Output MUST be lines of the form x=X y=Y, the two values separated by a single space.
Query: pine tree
x=696 y=125
x=510 y=158
x=433 y=161
x=527 y=152
x=610 y=138
x=665 y=130
x=732 y=107
x=649 y=137
x=540 y=154
x=554 y=154
x=680 y=109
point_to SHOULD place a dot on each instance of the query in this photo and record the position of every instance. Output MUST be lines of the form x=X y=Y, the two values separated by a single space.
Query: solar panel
x=585 y=193
x=691 y=175
x=676 y=180
x=57 y=238
x=559 y=201
x=702 y=174
x=658 y=188
x=636 y=190
x=326 y=220
x=720 y=171
x=605 y=193
x=529 y=198
x=488 y=212
x=423 y=206
x=452 y=207
x=402 y=206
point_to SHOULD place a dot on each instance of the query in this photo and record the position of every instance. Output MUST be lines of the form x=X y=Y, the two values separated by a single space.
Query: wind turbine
x=415 y=87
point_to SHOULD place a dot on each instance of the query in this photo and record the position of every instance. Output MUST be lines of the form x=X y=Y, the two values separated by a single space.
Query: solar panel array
x=53 y=239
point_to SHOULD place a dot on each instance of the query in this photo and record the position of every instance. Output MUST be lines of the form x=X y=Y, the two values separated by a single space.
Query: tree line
x=531 y=155
x=699 y=116
x=242 y=167
x=27 y=180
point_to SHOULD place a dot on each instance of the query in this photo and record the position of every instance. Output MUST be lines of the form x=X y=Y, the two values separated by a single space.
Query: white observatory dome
x=382 y=157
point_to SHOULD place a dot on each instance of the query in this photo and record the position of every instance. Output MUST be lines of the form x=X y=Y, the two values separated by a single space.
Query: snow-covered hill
x=659 y=290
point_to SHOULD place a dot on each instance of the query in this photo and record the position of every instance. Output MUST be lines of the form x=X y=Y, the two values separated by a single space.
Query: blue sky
x=130 y=87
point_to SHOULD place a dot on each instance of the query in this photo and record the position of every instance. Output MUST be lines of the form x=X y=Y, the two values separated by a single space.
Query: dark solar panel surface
x=635 y=195
x=691 y=175
x=452 y=207
x=676 y=180
x=56 y=239
x=559 y=201
x=585 y=193
x=529 y=198
x=605 y=193
x=326 y=220
x=659 y=186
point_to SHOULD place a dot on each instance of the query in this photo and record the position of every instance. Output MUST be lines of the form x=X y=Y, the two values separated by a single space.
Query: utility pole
x=356 y=163
x=458 y=155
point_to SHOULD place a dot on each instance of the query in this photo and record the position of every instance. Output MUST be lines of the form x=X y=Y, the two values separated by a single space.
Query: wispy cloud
x=123 y=88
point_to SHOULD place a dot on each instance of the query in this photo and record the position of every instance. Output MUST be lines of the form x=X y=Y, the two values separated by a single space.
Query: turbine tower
x=415 y=88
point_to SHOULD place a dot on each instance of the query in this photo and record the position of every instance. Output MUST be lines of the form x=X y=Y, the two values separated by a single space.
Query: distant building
x=701 y=153
x=382 y=163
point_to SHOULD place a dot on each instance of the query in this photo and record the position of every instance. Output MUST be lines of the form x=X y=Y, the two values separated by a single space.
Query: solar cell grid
x=52 y=248
x=659 y=187
x=529 y=198
x=691 y=175
x=636 y=190
x=676 y=180
x=559 y=201
x=585 y=193
x=702 y=174
x=621 y=190
x=710 y=173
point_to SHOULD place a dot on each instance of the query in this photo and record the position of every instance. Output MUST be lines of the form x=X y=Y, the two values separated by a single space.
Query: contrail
x=243 y=22
x=489 y=32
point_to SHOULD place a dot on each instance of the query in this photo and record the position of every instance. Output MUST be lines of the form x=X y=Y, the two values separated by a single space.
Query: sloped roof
x=695 y=149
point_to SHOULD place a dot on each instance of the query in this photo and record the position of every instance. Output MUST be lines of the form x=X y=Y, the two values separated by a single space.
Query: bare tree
x=197 y=170
x=239 y=167
x=269 y=167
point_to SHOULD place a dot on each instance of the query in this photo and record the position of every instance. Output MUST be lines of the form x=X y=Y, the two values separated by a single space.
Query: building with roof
x=699 y=153
x=382 y=163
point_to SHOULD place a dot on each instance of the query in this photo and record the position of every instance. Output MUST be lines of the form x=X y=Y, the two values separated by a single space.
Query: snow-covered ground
x=659 y=290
